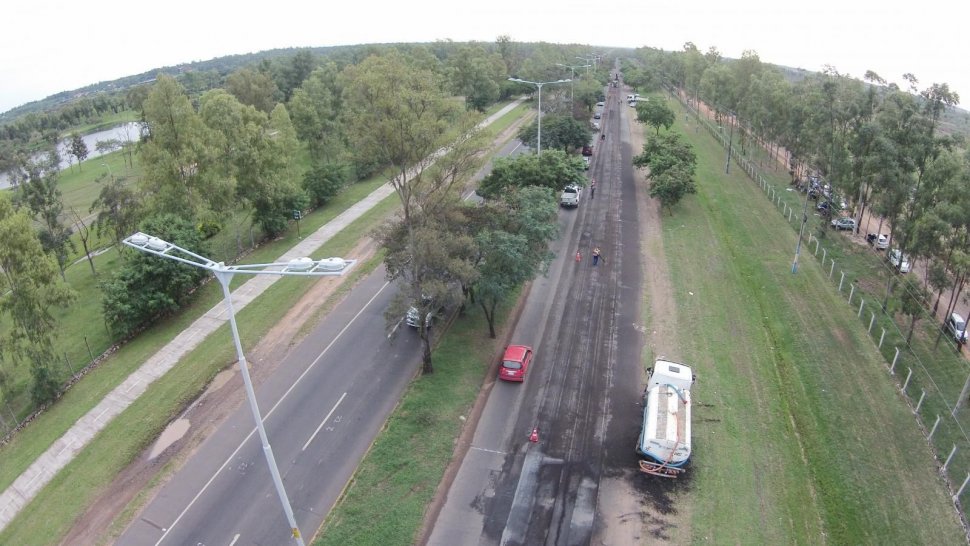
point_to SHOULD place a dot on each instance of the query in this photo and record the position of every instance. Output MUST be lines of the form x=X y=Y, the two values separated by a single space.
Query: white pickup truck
x=570 y=196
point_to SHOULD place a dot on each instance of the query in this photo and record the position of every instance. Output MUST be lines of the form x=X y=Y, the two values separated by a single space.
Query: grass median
x=798 y=427
x=386 y=500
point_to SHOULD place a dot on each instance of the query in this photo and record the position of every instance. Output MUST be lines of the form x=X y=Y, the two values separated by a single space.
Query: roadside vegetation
x=797 y=424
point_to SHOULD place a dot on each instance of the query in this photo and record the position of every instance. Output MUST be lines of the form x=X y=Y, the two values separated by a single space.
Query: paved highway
x=322 y=409
x=583 y=389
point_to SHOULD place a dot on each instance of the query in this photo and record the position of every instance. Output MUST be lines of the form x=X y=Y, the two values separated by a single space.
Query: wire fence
x=932 y=380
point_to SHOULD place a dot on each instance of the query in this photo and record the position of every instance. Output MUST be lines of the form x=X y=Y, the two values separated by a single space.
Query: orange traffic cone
x=579 y=257
x=534 y=437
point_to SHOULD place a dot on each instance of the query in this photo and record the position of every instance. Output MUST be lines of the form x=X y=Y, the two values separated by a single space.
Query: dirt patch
x=108 y=515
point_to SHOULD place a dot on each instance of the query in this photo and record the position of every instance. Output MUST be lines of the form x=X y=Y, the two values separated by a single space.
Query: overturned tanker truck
x=664 y=444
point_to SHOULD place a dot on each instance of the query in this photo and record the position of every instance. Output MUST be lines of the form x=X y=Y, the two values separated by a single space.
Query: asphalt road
x=583 y=389
x=322 y=409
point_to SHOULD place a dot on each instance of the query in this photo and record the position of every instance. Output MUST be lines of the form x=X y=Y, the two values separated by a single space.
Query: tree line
x=881 y=147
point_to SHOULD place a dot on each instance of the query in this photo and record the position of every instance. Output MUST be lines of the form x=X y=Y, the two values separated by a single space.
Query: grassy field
x=798 y=427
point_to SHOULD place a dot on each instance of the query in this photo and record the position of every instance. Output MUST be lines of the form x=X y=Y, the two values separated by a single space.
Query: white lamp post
x=573 y=73
x=539 y=85
x=297 y=267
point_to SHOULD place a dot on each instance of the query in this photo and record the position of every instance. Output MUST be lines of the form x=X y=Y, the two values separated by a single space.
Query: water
x=124 y=132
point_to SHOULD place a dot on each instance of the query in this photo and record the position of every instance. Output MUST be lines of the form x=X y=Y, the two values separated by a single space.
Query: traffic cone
x=579 y=257
x=534 y=437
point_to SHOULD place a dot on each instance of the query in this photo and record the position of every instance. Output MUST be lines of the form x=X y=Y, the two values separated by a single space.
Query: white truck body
x=665 y=441
x=570 y=196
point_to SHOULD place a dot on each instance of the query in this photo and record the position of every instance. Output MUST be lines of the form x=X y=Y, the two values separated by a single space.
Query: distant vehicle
x=600 y=104
x=880 y=241
x=515 y=363
x=412 y=318
x=597 y=115
x=900 y=261
x=956 y=327
x=586 y=163
x=570 y=196
x=587 y=150
x=596 y=125
x=664 y=442
x=843 y=223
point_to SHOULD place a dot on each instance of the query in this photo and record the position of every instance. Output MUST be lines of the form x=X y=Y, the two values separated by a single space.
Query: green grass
x=387 y=497
x=798 y=427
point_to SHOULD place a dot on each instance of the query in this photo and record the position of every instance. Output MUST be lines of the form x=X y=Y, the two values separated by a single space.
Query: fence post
x=906 y=384
x=882 y=337
x=920 y=403
x=892 y=369
x=965 y=480
x=950 y=457
x=862 y=303
x=825 y=254
x=872 y=321
x=817 y=244
x=832 y=269
x=89 y=348
x=963 y=396
x=789 y=214
x=68 y=360
x=851 y=293
x=841 y=279
x=933 y=430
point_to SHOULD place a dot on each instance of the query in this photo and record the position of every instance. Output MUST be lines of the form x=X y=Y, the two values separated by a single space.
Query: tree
x=177 y=155
x=43 y=198
x=656 y=114
x=514 y=247
x=672 y=163
x=295 y=72
x=323 y=182
x=563 y=132
x=253 y=88
x=28 y=291
x=77 y=149
x=553 y=169
x=146 y=286
x=314 y=109
x=476 y=75
x=118 y=206
x=397 y=113
x=84 y=234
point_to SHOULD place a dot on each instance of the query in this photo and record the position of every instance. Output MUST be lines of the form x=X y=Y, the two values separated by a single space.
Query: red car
x=515 y=363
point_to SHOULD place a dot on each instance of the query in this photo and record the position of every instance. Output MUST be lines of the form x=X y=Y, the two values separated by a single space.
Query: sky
x=49 y=46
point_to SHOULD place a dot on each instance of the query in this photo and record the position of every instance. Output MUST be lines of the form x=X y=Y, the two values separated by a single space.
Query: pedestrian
x=596 y=255
x=592 y=189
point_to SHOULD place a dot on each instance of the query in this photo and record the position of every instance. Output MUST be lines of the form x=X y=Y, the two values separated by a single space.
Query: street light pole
x=304 y=267
x=539 y=86
x=572 y=71
x=801 y=230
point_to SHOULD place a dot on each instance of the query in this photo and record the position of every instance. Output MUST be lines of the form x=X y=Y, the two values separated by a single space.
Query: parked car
x=879 y=241
x=596 y=125
x=956 y=327
x=515 y=363
x=412 y=318
x=570 y=196
x=601 y=103
x=586 y=162
x=900 y=261
x=843 y=223
x=587 y=150
x=597 y=115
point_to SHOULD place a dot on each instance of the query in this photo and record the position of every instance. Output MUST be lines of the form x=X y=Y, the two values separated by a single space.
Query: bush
x=324 y=182
x=148 y=286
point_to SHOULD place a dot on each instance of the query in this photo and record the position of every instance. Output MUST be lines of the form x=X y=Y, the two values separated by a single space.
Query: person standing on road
x=596 y=255
x=592 y=189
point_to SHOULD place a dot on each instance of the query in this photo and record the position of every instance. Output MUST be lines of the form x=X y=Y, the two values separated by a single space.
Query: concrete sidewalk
x=63 y=450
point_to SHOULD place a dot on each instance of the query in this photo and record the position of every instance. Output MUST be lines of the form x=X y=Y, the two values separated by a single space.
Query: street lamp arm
x=302 y=267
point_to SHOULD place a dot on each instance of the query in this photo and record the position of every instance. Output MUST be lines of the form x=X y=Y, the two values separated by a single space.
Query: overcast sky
x=48 y=46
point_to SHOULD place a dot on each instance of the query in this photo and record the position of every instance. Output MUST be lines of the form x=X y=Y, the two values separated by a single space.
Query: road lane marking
x=234 y=539
x=266 y=416
x=325 y=419
x=489 y=450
